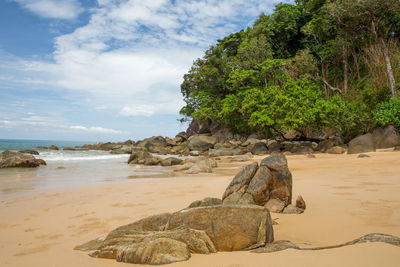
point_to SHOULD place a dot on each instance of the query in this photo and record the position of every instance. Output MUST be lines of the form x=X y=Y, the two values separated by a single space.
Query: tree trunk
x=389 y=70
x=357 y=66
x=385 y=53
x=345 y=72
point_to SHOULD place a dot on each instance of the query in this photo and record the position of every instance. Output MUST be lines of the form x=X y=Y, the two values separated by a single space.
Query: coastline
x=346 y=197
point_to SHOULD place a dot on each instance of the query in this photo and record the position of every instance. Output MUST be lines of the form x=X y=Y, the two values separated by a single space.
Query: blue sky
x=105 y=70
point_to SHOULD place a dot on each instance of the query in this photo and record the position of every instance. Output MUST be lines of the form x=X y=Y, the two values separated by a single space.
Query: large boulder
x=386 y=137
x=201 y=142
x=168 y=238
x=144 y=158
x=361 y=144
x=12 y=159
x=257 y=184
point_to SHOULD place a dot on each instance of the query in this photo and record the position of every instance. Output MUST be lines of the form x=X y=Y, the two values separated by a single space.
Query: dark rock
x=53 y=147
x=325 y=145
x=292 y=135
x=300 y=203
x=42 y=147
x=206 y=202
x=274 y=146
x=201 y=142
x=363 y=156
x=13 y=159
x=361 y=144
x=28 y=151
x=311 y=156
x=386 y=137
x=259 y=148
x=69 y=149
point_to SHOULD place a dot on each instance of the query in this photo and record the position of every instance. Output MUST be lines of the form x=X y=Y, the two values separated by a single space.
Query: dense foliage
x=311 y=65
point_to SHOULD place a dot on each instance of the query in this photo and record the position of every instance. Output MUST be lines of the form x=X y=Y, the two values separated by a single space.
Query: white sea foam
x=80 y=156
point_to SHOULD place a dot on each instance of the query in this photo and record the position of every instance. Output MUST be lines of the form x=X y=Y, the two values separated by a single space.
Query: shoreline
x=346 y=198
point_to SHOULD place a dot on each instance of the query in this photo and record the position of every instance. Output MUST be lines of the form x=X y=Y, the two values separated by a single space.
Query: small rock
x=242 y=158
x=42 y=147
x=290 y=209
x=28 y=151
x=206 y=202
x=363 y=156
x=275 y=205
x=53 y=147
x=300 y=203
x=311 y=156
x=336 y=150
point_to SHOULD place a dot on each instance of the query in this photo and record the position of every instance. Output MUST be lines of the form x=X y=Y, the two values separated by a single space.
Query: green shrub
x=388 y=113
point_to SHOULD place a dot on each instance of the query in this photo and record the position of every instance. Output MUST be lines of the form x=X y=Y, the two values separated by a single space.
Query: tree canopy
x=307 y=66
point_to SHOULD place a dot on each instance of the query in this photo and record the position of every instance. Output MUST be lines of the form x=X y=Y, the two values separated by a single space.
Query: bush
x=388 y=113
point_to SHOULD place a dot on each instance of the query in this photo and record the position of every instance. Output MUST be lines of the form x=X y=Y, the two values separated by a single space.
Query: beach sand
x=346 y=198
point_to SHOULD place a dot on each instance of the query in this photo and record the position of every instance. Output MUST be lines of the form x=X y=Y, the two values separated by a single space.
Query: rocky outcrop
x=143 y=158
x=69 y=149
x=171 y=161
x=168 y=238
x=29 y=151
x=361 y=144
x=12 y=159
x=386 y=137
x=258 y=184
x=201 y=142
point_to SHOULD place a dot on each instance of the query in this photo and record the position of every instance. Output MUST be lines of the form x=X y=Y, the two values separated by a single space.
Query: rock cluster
x=12 y=159
x=268 y=184
x=384 y=137
x=168 y=238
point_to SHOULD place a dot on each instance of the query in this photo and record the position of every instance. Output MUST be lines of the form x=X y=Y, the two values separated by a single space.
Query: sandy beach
x=346 y=198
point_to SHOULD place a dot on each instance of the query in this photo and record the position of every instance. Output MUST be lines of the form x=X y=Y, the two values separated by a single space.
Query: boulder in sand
x=258 y=184
x=168 y=238
x=143 y=158
x=361 y=144
x=386 y=137
x=201 y=142
x=12 y=159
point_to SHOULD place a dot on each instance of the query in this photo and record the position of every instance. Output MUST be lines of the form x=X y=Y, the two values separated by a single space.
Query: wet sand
x=346 y=198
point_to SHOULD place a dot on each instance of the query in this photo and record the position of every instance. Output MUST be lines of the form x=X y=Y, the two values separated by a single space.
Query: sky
x=105 y=70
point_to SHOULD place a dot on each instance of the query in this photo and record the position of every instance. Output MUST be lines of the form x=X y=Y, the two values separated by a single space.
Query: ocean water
x=68 y=168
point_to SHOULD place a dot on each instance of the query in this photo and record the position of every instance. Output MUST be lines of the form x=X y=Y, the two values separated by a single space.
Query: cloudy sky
x=107 y=69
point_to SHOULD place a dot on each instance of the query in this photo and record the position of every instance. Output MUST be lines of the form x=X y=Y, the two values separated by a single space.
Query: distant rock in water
x=53 y=147
x=42 y=147
x=69 y=149
x=28 y=151
x=13 y=159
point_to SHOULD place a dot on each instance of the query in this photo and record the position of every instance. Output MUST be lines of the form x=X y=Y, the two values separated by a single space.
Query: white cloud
x=131 y=56
x=37 y=124
x=54 y=9
x=95 y=129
